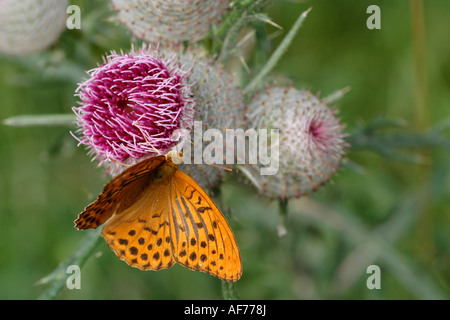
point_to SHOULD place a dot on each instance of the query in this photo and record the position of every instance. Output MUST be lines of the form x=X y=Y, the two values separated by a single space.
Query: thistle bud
x=30 y=26
x=159 y=21
x=310 y=145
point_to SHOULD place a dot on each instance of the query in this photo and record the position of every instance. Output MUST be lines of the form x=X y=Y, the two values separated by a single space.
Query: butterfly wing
x=119 y=194
x=140 y=234
x=157 y=221
x=201 y=238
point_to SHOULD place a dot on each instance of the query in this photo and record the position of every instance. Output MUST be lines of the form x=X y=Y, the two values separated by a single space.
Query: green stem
x=57 y=279
x=239 y=22
x=229 y=290
x=421 y=112
x=41 y=120
x=422 y=175
x=276 y=56
x=283 y=210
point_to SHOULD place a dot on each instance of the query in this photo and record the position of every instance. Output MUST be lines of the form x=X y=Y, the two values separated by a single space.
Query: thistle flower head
x=310 y=144
x=133 y=104
x=30 y=26
x=160 y=21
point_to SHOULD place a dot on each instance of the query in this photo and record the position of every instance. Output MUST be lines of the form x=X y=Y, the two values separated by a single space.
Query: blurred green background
x=377 y=210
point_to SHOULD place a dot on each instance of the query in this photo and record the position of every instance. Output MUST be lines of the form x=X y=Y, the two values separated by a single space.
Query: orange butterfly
x=158 y=215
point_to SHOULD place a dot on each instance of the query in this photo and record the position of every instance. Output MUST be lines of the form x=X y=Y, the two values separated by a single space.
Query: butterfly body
x=156 y=216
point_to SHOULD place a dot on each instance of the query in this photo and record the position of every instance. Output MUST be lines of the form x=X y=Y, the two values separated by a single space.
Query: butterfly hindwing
x=201 y=237
x=118 y=194
x=140 y=235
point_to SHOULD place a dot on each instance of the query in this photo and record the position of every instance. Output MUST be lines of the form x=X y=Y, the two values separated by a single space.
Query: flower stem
x=240 y=21
x=41 y=120
x=283 y=210
x=58 y=278
x=276 y=56
x=422 y=174
x=421 y=112
x=229 y=290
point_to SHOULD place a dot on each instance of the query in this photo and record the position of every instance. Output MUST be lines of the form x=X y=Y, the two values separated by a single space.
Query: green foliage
x=387 y=206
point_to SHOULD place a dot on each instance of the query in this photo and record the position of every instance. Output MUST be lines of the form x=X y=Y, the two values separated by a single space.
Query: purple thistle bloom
x=131 y=104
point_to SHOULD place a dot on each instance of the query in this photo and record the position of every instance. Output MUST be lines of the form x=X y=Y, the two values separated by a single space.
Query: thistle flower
x=132 y=103
x=160 y=21
x=310 y=144
x=219 y=105
x=30 y=26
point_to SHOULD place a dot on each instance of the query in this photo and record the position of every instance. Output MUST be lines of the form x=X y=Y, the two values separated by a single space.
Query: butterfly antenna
x=224 y=168
x=121 y=163
x=150 y=144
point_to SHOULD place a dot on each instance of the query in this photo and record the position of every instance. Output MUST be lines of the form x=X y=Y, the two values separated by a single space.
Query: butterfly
x=156 y=215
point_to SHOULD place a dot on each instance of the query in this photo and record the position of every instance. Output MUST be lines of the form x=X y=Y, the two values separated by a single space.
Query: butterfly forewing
x=119 y=194
x=202 y=238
